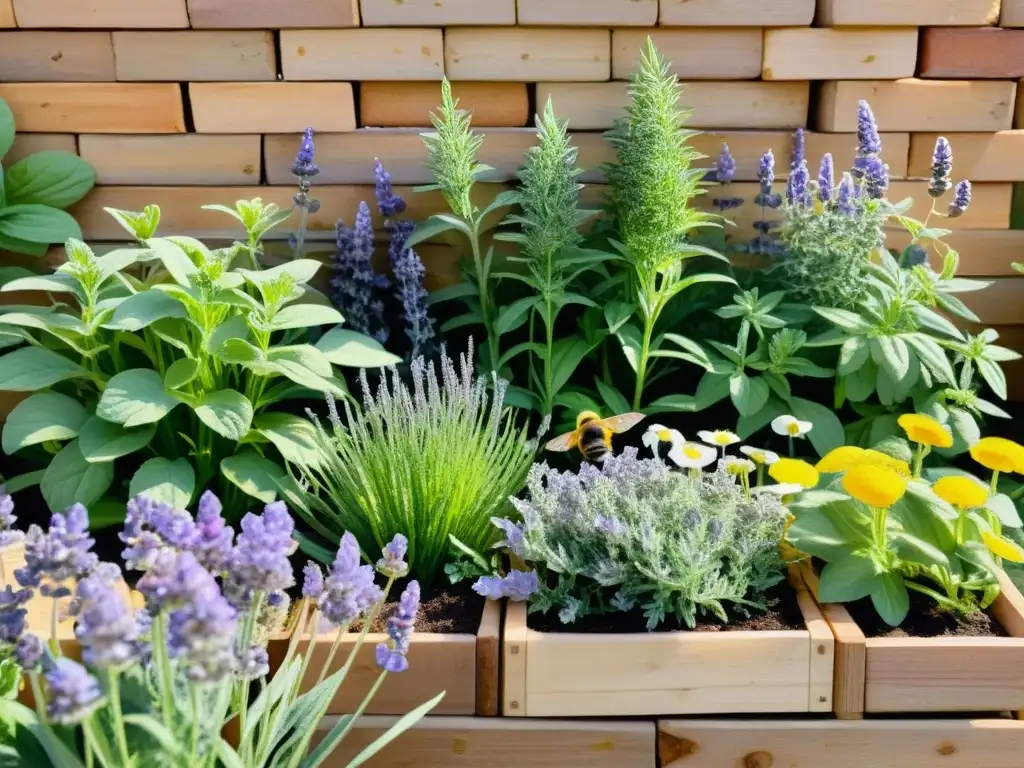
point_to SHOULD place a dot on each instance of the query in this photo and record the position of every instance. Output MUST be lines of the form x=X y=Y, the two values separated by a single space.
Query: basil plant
x=163 y=364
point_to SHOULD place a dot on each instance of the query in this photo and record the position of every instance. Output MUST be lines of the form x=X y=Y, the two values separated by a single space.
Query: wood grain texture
x=578 y=13
x=908 y=13
x=272 y=14
x=838 y=744
x=196 y=56
x=725 y=105
x=29 y=56
x=823 y=652
x=271 y=107
x=514 y=650
x=392 y=105
x=527 y=54
x=971 y=53
x=983 y=252
x=465 y=742
x=1012 y=14
x=7 y=20
x=999 y=304
x=488 y=661
x=28 y=143
x=95 y=107
x=437 y=13
x=362 y=54
x=912 y=104
x=736 y=13
x=698 y=54
x=839 y=54
x=102 y=14
x=183 y=159
x=843 y=146
x=977 y=156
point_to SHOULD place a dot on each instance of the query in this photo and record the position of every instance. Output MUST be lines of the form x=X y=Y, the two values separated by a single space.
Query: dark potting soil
x=783 y=613
x=446 y=609
x=925 y=619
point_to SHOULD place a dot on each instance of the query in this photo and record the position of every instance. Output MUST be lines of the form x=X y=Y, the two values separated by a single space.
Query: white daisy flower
x=737 y=466
x=779 y=489
x=719 y=438
x=790 y=426
x=659 y=433
x=692 y=455
x=760 y=455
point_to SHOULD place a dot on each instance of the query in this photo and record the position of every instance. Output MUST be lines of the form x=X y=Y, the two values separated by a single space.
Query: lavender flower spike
x=799 y=150
x=845 y=200
x=961 y=200
x=201 y=635
x=942 y=166
x=8 y=533
x=874 y=174
x=355 y=280
x=259 y=562
x=28 y=652
x=349 y=589
x=59 y=554
x=517 y=586
x=13 y=614
x=72 y=693
x=304 y=168
x=213 y=546
x=826 y=178
x=766 y=172
x=106 y=626
x=313 y=581
x=388 y=203
x=725 y=166
x=868 y=140
x=393 y=564
x=391 y=656
x=796 y=186
x=514 y=532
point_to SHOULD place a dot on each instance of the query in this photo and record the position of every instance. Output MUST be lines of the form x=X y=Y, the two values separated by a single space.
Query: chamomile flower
x=737 y=466
x=721 y=438
x=790 y=426
x=657 y=434
x=692 y=455
x=759 y=455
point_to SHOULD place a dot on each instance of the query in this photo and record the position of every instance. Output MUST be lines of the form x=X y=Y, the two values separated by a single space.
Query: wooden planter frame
x=581 y=675
x=935 y=674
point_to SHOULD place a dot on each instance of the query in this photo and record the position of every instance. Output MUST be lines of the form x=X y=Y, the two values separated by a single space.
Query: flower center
x=794 y=429
x=691 y=453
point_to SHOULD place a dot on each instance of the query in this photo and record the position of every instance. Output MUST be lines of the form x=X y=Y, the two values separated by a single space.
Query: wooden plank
x=1012 y=14
x=196 y=55
x=527 y=54
x=514 y=661
x=1000 y=303
x=451 y=742
x=102 y=14
x=736 y=13
x=95 y=107
x=29 y=143
x=725 y=105
x=271 y=107
x=842 y=146
x=838 y=54
x=184 y=159
x=272 y=14
x=983 y=252
x=908 y=13
x=1018 y=112
x=1008 y=608
x=578 y=13
x=488 y=655
x=700 y=54
x=919 y=105
x=7 y=14
x=432 y=13
x=976 y=156
x=823 y=652
x=839 y=744
x=391 y=105
x=27 y=56
x=362 y=54
x=987 y=52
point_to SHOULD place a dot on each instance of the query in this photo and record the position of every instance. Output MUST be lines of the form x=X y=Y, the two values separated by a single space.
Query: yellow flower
x=961 y=491
x=999 y=454
x=875 y=485
x=879 y=459
x=794 y=471
x=1003 y=548
x=840 y=459
x=926 y=430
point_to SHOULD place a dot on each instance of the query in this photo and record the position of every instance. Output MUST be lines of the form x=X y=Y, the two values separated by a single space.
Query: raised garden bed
x=551 y=674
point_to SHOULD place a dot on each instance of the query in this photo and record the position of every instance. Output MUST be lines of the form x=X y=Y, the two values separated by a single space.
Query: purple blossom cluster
x=392 y=563
x=305 y=168
x=349 y=589
x=513 y=535
x=106 y=626
x=764 y=243
x=72 y=694
x=868 y=168
x=942 y=168
x=517 y=586
x=151 y=526
x=355 y=281
x=391 y=656
x=8 y=533
x=59 y=554
x=259 y=562
x=723 y=173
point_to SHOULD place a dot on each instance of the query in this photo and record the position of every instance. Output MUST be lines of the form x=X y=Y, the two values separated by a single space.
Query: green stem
x=641 y=368
x=548 y=394
x=193 y=695
x=163 y=665
x=760 y=474
x=790 y=439
x=37 y=694
x=880 y=517
x=115 y=710
x=485 y=305
x=961 y=516
x=995 y=481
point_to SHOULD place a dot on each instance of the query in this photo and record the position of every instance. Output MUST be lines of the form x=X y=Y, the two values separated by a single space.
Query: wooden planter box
x=464 y=666
x=568 y=675
x=935 y=674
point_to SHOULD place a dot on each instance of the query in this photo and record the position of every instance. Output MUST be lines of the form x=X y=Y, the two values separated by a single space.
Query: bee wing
x=563 y=442
x=622 y=422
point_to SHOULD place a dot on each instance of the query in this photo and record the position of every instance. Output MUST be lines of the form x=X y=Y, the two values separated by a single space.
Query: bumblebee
x=593 y=435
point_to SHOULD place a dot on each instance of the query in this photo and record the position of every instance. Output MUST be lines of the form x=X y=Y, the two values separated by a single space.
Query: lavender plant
x=303 y=169
x=157 y=686
x=356 y=283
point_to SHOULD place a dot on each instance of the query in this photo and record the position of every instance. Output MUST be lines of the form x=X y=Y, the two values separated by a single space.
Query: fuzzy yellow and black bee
x=593 y=435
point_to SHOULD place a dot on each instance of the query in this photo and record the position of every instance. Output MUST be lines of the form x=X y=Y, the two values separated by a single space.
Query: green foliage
x=164 y=360
x=33 y=195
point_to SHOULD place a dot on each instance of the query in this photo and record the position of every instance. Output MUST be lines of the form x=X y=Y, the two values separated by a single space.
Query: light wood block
x=395 y=105
x=843 y=147
x=919 y=105
x=1018 y=106
x=527 y=54
x=999 y=304
x=983 y=252
x=572 y=674
x=736 y=13
x=271 y=107
x=7 y=14
x=972 y=53
x=96 y=107
x=196 y=55
x=184 y=159
x=28 y=56
x=26 y=144
x=102 y=14
x=435 y=13
x=450 y=742
x=908 y=13
x=726 y=105
x=836 y=744
x=578 y=13
x=698 y=54
x=1012 y=14
x=976 y=156
x=272 y=14
x=837 y=54
x=362 y=54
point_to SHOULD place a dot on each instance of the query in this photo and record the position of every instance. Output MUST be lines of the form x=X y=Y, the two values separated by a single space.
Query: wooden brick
x=1000 y=303
x=907 y=13
x=1012 y=14
x=29 y=143
x=394 y=105
x=272 y=14
x=953 y=52
x=736 y=13
x=697 y=54
x=835 y=54
x=976 y=156
x=7 y=14
x=271 y=107
x=983 y=252
x=195 y=55
x=595 y=106
x=432 y=13
x=102 y=14
x=28 y=56
x=527 y=54
x=362 y=54
x=842 y=146
x=185 y=159
x=919 y=105
x=577 y=13
x=96 y=107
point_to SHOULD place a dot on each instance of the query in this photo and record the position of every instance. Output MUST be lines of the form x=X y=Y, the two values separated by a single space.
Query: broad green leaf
x=850 y=578
x=181 y=372
x=712 y=388
x=33 y=368
x=890 y=353
x=253 y=474
x=433 y=227
x=36 y=223
x=1000 y=505
x=458 y=291
x=852 y=355
x=292 y=435
x=144 y=308
x=305 y=316
x=21 y=482
x=630 y=340
x=670 y=404
x=177 y=263
x=41 y=417
x=513 y=315
x=51 y=322
x=616 y=313
x=827 y=432
x=300 y=270
x=70 y=479
x=831 y=531
x=844 y=319
x=891 y=599
x=7 y=130
x=305 y=355
x=101 y=440
x=613 y=399
x=749 y=395
x=170 y=482
x=932 y=355
x=355 y=350
x=135 y=397
x=917 y=550
x=566 y=356
x=50 y=177
x=226 y=412
x=993 y=376
x=55 y=283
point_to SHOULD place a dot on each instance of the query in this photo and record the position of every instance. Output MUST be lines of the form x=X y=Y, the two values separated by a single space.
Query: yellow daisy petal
x=794 y=471
x=961 y=491
x=1003 y=548
x=999 y=454
x=926 y=430
x=840 y=459
x=875 y=485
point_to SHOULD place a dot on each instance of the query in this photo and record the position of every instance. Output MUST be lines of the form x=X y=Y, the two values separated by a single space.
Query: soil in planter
x=784 y=613
x=446 y=609
x=925 y=619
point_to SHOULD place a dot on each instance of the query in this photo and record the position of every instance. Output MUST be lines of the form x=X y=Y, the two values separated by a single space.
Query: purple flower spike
x=516 y=586
x=725 y=167
x=388 y=203
x=28 y=652
x=826 y=178
x=259 y=562
x=796 y=186
x=8 y=534
x=312 y=581
x=355 y=280
x=12 y=614
x=874 y=174
x=72 y=693
x=201 y=634
x=214 y=537
x=59 y=554
x=961 y=200
x=799 y=150
x=846 y=198
x=409 y=272
x=942 y=166
x=304 y=168
x=349 y=589
x=106 y=626
x=253 y=663
x=391 y=656
x=766 y=172
x=868 y=140
x=513 y=540
x=393 y=564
